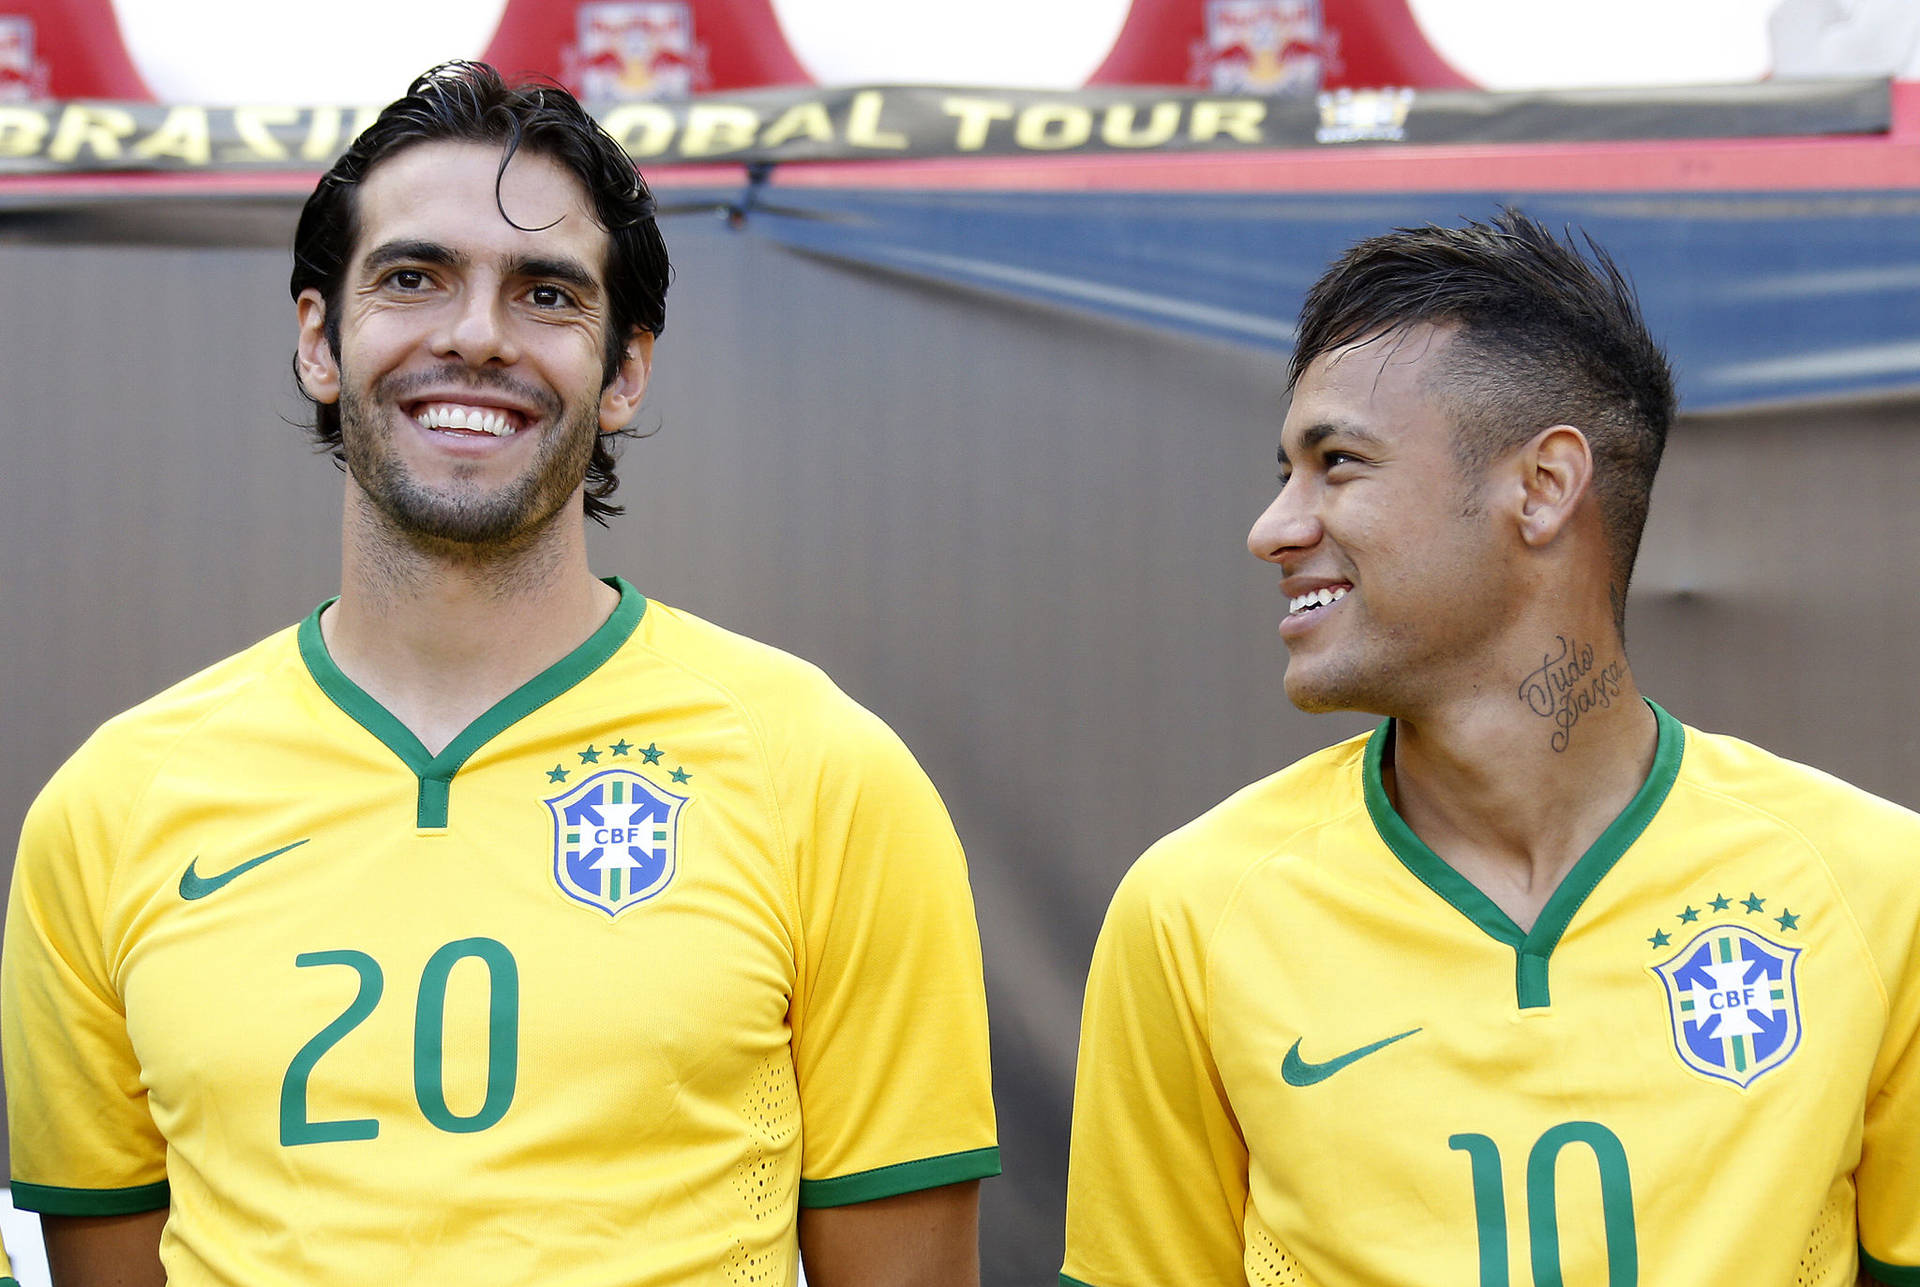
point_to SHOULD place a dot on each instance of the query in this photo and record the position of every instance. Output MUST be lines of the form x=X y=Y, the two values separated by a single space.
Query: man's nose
x=478 y=330
x=1290 y=523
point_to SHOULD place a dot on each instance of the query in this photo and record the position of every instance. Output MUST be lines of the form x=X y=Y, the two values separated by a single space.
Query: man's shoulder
x=113 y=765
x=150 y=727
x=1871 y=844
x=1798 y=795
x=783 y=698
x=1201 y=863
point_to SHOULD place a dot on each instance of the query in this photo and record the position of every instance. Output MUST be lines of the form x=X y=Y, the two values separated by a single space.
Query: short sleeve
x=1887 y=1181
x=82 y=1139
x=1157 y=1185
x=890 y=1020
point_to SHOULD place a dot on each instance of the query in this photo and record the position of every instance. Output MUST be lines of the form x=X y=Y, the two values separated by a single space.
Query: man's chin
x=1325 y=694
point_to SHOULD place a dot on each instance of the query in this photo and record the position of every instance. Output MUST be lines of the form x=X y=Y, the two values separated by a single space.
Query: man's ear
x=1556 y=473
x=314 y=361
x=620 y=400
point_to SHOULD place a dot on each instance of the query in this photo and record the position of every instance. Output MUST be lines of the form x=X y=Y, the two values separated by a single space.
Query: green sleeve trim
x=1891 y=1275
x=901 y=1177
x=51 y=1199
x=8 y=1282
x=1072 y=1282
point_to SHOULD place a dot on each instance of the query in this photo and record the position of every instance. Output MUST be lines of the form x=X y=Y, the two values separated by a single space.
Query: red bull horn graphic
x=1263 y=47
x=626 y=52
x=22 y=76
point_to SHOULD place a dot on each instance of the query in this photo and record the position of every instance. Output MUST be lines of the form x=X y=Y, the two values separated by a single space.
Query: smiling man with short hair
x=1532 y=984
x=494 y=924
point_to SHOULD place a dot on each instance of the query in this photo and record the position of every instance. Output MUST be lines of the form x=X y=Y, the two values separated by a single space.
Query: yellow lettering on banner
x=1212 y=118
x=1116 y=128
x=1051 y=126
x=22 y=131
x=643 y=129
x=257 y=140
x=323 y=134
x=977 y=116
x=718 y=127
x=97 y=128
x=802 y=120
x=183 y=134
x=863 y=122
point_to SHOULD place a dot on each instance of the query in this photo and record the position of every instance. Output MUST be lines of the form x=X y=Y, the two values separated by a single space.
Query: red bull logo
x=22 y=76
x=1263 y=47
x=630 y=51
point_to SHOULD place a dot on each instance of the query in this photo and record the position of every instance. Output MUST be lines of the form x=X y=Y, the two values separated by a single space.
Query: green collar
x=1534 y=947
x=435 y=772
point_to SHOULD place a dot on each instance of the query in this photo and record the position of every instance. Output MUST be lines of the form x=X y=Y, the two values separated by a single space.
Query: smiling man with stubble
x=494 y=924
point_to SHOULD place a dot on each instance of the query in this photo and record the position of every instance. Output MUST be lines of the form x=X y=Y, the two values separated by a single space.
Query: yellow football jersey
x=674 y=939
x=1313 y=1053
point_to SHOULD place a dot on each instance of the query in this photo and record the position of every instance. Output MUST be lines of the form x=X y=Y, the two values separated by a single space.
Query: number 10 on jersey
x=1542 y=1204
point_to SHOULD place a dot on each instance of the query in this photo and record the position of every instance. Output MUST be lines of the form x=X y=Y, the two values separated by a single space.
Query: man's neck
x=1512 y=784
x=437 y=637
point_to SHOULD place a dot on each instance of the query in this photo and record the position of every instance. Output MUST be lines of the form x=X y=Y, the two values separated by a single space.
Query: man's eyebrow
x=570 y=272
x=1315 y=434
x=414 y=252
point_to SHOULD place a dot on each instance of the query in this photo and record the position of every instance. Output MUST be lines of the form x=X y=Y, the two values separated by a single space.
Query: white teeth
x=452 y=415
x=1316 y=598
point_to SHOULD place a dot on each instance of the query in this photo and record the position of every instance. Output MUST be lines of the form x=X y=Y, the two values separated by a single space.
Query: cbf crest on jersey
x=616 y=840
x=1734 y=1003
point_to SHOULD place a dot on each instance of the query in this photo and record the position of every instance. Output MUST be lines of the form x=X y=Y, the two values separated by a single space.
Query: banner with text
x=811 y=124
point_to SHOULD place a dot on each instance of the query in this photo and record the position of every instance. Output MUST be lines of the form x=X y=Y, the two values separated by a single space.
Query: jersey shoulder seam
x=1273 y=854
x=1819 y=854
x=756 y=731
x=157 y=761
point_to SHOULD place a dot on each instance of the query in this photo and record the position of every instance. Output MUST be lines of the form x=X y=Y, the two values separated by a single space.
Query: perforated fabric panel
x=1269 y=1265
x=747 y=1269
x=772 y=1109
x=1829 y=1260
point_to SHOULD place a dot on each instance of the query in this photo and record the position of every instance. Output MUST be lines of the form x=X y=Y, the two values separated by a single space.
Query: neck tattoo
x=1568 y=684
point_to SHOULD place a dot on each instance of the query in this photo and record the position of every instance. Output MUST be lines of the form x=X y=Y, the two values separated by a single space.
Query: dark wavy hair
x=1549 y=333
x=469 y=102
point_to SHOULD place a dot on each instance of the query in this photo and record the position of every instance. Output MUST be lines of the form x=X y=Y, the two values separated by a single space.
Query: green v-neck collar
x=1532 y=948
x=435 y=772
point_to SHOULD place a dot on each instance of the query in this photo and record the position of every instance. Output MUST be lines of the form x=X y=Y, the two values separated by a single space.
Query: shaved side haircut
x=1548 y=331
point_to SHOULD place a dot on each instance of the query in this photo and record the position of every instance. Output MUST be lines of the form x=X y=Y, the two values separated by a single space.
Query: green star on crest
x=680 y=775
x=1753 y=903
x=558 y=773
x=1689 y=916
x=1787 y=920
x=652 y=752
x=1659 y=939
x=621 y=747
x=590 y=756
x=1720 y=903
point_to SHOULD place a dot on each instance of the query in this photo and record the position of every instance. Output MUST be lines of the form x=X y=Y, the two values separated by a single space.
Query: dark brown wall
x=1016 y=534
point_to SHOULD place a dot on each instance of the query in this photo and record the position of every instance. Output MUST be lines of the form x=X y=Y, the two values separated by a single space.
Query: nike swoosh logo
x=1298 y=1072
x=193 y=885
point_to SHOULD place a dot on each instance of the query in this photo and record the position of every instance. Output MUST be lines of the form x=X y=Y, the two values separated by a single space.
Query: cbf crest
x=616 y=840
x=1734 y=1003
